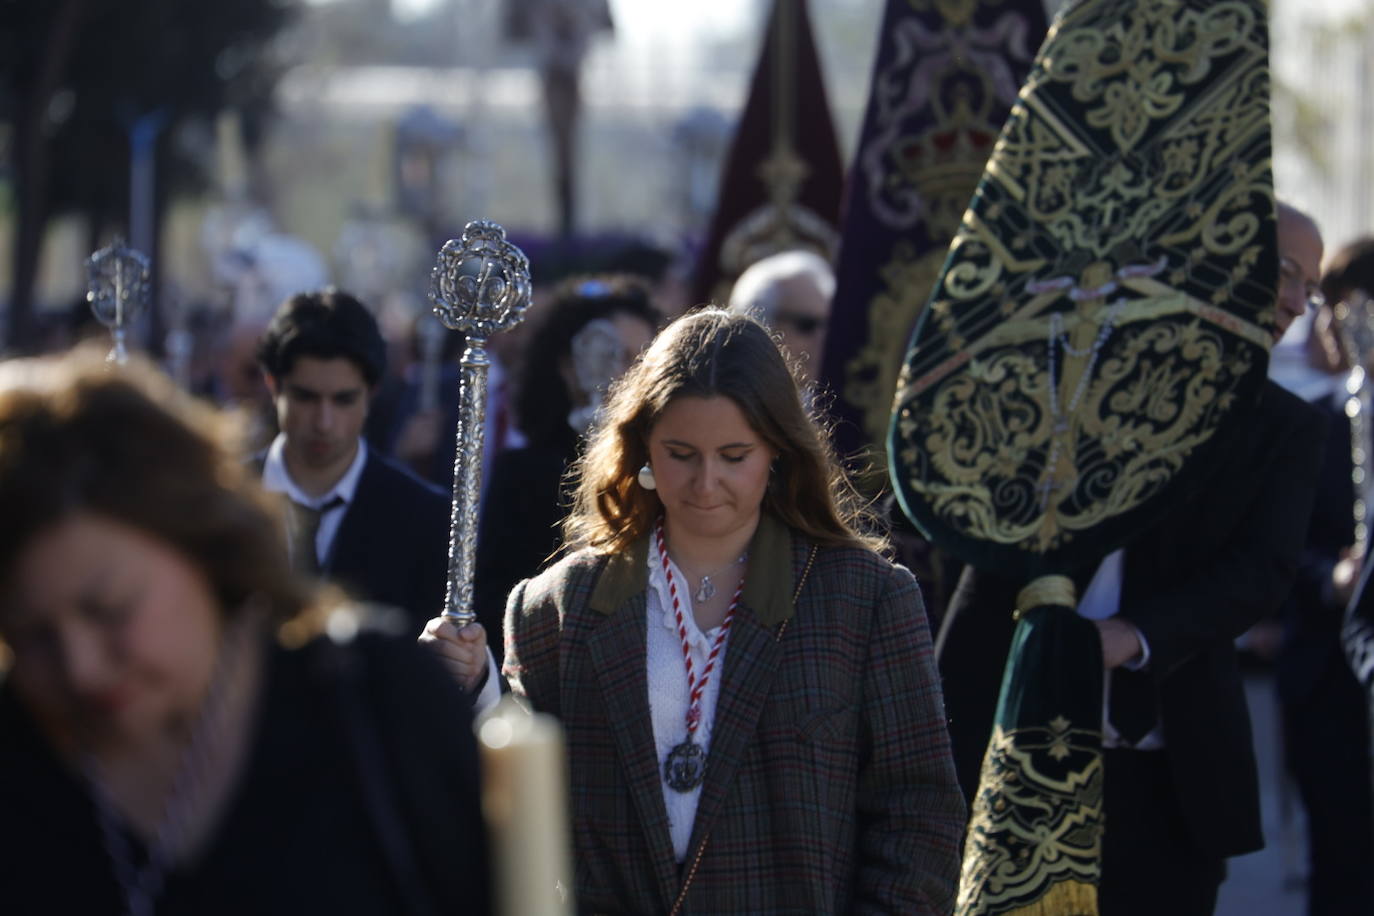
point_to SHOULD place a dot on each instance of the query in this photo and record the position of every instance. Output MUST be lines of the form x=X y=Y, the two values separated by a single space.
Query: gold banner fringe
x=1067 y=898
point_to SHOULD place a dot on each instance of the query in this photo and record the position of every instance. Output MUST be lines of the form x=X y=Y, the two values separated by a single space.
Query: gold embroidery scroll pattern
x=980 y=430
x=1099 y=203
x=978 y=448
x=1136 y=71
x=1090 y=199
x=1051 y=199
x=1019 y=845
x=872 y=373
x=1151 y=407
x=1191 y=150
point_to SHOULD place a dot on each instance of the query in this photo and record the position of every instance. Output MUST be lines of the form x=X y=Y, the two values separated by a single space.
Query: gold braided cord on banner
x=1054 y=590
x=1023 y=855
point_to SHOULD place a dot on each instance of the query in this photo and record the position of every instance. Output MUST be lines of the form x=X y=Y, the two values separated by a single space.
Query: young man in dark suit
x=1181 y=791
x=354 y=517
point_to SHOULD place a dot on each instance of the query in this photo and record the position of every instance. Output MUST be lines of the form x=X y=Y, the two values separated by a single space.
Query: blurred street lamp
x=426 y=145
x=700 y=138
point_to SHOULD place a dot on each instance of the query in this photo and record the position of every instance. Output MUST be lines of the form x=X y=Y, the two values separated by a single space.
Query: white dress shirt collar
x=276 y=478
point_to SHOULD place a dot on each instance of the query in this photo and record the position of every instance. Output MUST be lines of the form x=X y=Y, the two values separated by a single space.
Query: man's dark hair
x=327 y=324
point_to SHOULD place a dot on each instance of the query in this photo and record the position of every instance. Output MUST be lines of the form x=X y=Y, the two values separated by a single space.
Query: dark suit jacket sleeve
x=532 y=636
x=1311 y=607
x=1253 y=572
x=911 y=811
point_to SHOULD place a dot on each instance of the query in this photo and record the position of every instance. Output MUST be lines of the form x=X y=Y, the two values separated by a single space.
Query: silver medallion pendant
x=706 y=591
x=685 y=766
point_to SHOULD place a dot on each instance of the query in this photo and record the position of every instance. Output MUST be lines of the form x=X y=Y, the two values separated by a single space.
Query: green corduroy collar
x=767 y=591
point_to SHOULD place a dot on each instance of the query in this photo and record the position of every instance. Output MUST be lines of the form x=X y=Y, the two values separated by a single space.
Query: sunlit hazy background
x=661 y=91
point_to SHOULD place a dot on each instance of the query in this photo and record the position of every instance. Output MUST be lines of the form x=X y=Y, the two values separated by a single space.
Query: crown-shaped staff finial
x=481 y=282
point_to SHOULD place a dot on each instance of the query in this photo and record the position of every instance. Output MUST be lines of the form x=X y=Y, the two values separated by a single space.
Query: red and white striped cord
x=695 y=688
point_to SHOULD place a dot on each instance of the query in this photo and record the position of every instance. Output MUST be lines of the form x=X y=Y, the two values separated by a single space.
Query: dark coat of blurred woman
x=176 y=734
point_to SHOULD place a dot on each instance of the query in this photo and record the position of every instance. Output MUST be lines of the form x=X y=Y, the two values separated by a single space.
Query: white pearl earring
x=646 y=477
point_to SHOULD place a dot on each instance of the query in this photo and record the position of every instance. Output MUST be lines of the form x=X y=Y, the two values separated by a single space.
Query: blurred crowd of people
x=127 y=506
x=213 y=696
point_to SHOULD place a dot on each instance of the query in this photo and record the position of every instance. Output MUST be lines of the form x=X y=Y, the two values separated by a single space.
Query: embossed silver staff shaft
x=467 y=481
x=480 y=286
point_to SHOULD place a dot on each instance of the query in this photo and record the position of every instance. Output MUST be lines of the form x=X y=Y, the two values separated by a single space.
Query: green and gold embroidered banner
x=1102 y=320
x=1108 y=298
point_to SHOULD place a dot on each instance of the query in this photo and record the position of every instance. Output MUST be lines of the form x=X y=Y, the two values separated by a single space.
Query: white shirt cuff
x=1143 y=659
x=491 y=690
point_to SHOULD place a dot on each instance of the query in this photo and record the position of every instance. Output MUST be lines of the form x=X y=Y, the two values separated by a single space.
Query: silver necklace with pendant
x=706 y=589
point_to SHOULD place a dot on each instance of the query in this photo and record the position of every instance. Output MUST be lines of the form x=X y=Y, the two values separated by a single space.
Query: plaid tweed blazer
x=829 y=786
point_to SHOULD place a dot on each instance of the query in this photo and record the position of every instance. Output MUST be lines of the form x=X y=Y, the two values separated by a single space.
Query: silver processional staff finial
x=117 y=288
x=481 y=282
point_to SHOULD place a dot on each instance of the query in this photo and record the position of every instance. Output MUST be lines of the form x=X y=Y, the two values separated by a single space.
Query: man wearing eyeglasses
x=1180 y=775
x=1300 y=267
x=790 y=292
x=1325 y=718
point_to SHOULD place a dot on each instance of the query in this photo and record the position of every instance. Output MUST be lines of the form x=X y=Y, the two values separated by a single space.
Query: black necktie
x=1132 y=707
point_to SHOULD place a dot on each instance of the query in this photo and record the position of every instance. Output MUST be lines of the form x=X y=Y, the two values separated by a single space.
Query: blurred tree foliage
x=76 y=74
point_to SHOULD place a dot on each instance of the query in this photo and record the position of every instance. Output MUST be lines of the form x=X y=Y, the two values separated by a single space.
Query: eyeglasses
x=804 y=324
x=1291 y=276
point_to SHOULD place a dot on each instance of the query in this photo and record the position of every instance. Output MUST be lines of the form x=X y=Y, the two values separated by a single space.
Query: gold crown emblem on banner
x=944 y=165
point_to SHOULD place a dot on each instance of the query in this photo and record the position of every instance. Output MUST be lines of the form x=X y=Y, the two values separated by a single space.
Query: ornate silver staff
x=1354 y=325
x=480 y=286
x=117 y=289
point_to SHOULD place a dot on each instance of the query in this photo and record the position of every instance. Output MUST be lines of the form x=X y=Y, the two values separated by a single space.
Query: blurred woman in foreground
x=173 y=737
